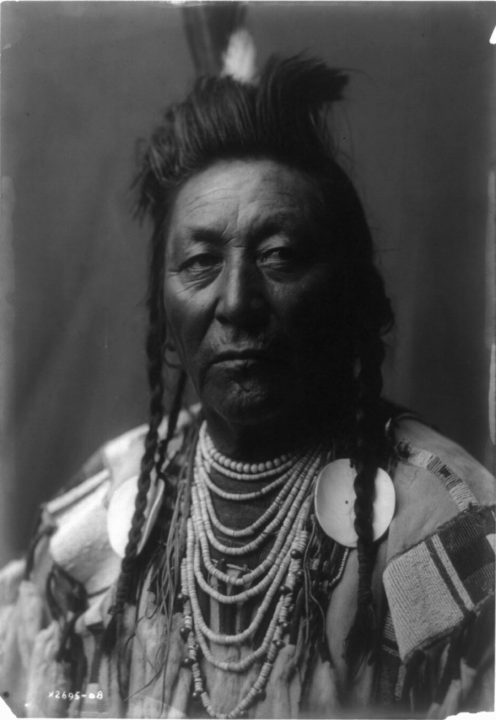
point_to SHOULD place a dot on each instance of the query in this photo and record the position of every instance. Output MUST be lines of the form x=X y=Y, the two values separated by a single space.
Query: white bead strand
x=236 y=470
x=287 y=519
x=270 y=585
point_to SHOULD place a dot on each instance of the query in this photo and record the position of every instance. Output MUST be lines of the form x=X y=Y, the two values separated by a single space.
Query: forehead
x=236 y=194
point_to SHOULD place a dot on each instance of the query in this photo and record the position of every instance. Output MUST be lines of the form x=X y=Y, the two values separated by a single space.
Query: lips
x=242 y=354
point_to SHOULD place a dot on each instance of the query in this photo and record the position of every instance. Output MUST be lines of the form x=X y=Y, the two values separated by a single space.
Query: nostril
x=245 y=311
x=241 y=298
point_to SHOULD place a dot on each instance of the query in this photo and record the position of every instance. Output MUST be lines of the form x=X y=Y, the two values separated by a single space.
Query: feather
x=239 y=58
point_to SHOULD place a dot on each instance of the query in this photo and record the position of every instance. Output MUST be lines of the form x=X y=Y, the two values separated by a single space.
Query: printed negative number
x=77 y=695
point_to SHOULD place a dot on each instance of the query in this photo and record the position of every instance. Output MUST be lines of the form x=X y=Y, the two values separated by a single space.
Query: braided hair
x=282 y=117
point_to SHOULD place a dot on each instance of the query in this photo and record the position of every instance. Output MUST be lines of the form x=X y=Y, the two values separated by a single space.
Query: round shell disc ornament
x=335 y=502
x=121 y=510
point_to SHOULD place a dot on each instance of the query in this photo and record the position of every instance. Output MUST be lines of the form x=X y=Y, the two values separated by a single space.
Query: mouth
x=241 y=355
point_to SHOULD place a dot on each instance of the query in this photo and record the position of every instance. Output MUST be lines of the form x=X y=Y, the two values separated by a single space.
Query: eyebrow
x=275 y=223
x=198 y=235
x=204 y=235
x=259 y=229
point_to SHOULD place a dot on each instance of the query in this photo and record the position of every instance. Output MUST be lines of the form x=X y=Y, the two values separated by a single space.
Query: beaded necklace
x=276 y=579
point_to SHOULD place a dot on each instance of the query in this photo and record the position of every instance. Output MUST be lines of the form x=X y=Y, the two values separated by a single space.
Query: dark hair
x=283 y=116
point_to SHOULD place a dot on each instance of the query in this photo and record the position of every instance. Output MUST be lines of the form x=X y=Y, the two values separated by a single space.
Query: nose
x=242 y=300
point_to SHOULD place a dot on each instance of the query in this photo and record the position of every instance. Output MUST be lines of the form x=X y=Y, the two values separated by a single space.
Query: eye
x=279 y=258
x=200 y=264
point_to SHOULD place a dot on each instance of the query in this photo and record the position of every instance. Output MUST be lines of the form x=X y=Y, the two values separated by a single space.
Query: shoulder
x=439 y=573
x=74 y=529
x=417 y=436
x=435 y=480
x=122 y=455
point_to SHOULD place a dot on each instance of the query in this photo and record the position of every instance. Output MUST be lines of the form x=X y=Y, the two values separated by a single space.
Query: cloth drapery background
x=81 y=82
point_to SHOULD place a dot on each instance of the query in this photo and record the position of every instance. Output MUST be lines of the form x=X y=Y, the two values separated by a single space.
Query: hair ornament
x=239 y=57
x=121 y=510
x=334 y=502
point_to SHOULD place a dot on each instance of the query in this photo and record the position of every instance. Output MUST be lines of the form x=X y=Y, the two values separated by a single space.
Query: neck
x=266 y=440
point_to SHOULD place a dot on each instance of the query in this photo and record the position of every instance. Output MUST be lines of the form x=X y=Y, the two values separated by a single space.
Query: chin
x=243 y=393
x=249 y=404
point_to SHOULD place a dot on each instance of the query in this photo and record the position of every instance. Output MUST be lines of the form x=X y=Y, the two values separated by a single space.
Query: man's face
x=249 y=290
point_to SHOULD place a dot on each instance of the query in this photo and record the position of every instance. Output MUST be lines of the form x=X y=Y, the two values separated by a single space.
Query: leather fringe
x=439 y=680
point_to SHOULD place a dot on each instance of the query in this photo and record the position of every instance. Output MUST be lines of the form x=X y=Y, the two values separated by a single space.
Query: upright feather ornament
x=239 y=57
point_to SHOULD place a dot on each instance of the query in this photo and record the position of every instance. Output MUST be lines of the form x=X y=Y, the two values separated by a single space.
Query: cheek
x=185 y=323
x=177 y=316
x=316 y=326
x=308 y=306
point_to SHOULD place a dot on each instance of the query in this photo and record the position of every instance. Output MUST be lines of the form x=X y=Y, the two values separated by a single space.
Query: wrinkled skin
x=253 y=302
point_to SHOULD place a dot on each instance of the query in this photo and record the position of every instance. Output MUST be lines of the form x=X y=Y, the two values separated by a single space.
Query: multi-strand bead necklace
x=271 y=583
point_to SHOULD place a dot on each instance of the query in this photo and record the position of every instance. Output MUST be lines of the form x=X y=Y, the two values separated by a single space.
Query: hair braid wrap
x=152 y=460
x=372 y=451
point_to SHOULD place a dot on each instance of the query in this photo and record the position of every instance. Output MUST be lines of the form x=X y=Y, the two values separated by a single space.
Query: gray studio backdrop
x=82 y=81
